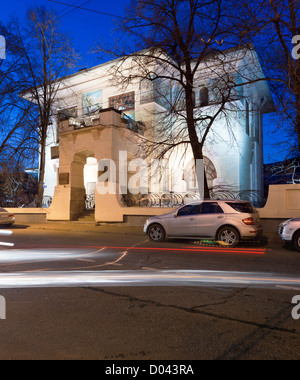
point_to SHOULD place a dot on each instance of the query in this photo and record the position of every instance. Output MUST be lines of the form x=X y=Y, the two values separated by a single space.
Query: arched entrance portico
x=101 y=141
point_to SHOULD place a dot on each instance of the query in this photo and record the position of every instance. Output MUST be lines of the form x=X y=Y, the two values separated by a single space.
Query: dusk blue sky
x=87 y=28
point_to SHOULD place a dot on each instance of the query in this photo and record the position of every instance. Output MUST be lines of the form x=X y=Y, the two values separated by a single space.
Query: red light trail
x=224 y=250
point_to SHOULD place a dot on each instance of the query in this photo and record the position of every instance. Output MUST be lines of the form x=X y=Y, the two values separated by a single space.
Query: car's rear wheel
x=156 y=232
x=296 y=241
x=228 y=236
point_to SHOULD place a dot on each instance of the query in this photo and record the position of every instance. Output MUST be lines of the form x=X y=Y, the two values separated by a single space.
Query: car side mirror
x=175 y=215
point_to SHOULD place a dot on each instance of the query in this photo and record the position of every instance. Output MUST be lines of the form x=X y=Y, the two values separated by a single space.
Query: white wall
x=228 y=147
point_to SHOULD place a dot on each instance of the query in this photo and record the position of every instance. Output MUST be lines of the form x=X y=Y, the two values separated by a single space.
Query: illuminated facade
x=233 y=149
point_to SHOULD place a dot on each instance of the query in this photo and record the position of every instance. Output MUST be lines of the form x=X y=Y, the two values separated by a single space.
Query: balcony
x=103 y=117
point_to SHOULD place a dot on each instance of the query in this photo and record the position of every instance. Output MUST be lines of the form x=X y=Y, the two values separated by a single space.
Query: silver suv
x=224 y=221
x=290 y=232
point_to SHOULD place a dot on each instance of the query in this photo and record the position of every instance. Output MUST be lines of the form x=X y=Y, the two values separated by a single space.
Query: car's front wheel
x=156 y=232
x=228 y=236
x=296 y=241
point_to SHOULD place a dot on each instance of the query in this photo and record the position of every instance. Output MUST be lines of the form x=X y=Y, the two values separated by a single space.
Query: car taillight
x=249 y=221
x=11 y=216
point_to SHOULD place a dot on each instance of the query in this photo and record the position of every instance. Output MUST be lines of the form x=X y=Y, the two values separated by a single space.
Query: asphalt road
x=109 y=296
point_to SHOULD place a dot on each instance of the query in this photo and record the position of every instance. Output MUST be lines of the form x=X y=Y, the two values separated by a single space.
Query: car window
x=189 y=210
x=242 y=207
x=2 y=210
x=211 y=208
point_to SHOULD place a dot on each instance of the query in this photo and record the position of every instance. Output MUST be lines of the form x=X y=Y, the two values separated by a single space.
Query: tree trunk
x=42 y=168
x=197 y=147
x=197 y=151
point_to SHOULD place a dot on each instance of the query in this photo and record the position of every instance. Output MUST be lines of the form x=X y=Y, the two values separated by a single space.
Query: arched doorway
x=90 y=180
x=80 y=181
x=210 y=171
x=189 y=175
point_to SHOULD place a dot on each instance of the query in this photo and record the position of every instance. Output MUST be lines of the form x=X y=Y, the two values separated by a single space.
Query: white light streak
x=144 y=278
x=5 y=232
x=36 y=255
x=7 y=244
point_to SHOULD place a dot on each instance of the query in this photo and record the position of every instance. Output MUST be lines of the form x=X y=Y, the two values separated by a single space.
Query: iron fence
x=258 y=199
x=90 y=202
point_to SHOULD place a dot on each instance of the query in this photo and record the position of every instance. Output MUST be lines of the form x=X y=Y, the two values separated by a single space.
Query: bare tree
x=45 y=55
x=286 y=171
x=179 y=45
x=15 y=113
x=271 y=25
x=17 y=188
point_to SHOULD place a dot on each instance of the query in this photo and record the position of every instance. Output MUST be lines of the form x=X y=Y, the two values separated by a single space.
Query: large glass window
x=155 y=90
x=179 y=102
x=247 y=119
x=201 y=97
x=226 y=88
x=162 y=93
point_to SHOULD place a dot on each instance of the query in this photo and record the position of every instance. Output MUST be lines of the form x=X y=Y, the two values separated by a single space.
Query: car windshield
x=242 y=207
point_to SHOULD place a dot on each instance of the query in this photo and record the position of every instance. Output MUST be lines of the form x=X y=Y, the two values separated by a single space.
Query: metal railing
x=258 y=199
x=156 y=200
x=90 y=202
x=22 y=203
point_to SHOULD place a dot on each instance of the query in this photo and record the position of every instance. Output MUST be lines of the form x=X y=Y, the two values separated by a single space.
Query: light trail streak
x=144 y=278
x=6 y=233
x=7 y=244
x=20 y=256
x=243 y=251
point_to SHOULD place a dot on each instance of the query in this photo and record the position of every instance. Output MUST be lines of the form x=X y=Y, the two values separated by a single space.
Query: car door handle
x=191 y=219
x=220 y=217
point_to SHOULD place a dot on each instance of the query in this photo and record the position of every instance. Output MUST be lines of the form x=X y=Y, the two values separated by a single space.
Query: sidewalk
x=89 y=227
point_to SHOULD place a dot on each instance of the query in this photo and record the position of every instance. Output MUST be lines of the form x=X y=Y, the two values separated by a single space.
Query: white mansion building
x=96 y=115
